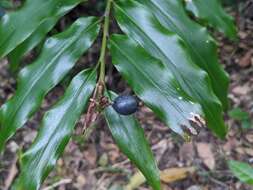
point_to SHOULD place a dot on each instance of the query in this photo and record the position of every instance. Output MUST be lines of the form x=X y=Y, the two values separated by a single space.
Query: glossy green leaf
x=213 y=13
x=130 y=138
x=55 y=132
x=58 y=56
x=36 y=37
x=142 y=26
x=243 y=171
x=18 y=26
x=201 y=45
x=153 y=83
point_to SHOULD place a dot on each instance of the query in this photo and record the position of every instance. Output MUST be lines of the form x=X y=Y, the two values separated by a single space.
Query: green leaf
x=55 y=132
x=238 y=114
x=15 y=28
x=243 y=171
x=138 y=23
x=153 y=83
x=58 y=56
x=201 y=46
x=213 y=13
x=242 y=116
x=130 y=138
x=36 y=37
x=246 y=124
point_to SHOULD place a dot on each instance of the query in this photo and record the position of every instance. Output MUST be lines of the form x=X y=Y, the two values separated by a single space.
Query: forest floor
x=98 y=164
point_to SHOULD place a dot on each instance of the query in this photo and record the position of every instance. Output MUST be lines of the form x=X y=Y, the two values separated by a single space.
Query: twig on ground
x=61 y=182
x=121 y=164
x=110 y=169
x=99 y=182
x=218 y=182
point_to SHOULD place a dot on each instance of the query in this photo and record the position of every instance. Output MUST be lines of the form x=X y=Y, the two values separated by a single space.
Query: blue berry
x=125 y=105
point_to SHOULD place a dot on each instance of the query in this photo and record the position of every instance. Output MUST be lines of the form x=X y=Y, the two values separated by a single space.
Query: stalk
x=101 y=60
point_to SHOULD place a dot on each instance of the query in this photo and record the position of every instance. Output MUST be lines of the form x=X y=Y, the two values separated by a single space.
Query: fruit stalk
x=101 y=60
x=97 y=99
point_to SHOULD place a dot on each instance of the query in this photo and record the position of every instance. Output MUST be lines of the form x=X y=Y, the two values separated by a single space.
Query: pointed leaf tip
x=141 y=25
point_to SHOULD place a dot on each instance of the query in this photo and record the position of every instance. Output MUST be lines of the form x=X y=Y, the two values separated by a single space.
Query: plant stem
x=101 y=60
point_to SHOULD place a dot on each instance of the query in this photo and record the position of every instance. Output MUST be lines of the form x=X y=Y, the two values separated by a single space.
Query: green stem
x=101 y=60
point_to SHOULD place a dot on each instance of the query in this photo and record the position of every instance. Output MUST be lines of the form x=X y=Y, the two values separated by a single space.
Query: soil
x=98 y=164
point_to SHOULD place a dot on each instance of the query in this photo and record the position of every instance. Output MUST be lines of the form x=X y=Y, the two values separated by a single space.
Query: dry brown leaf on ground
x=91 y=155
x=80 y=181
x=174 y=174
x=206 y=154
x=246 y=59
x=167 y=176
x=249 y=138
x=186 y=153
x=135 y=181
x=244 y=151
x=230 y=145
x=241 y=90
